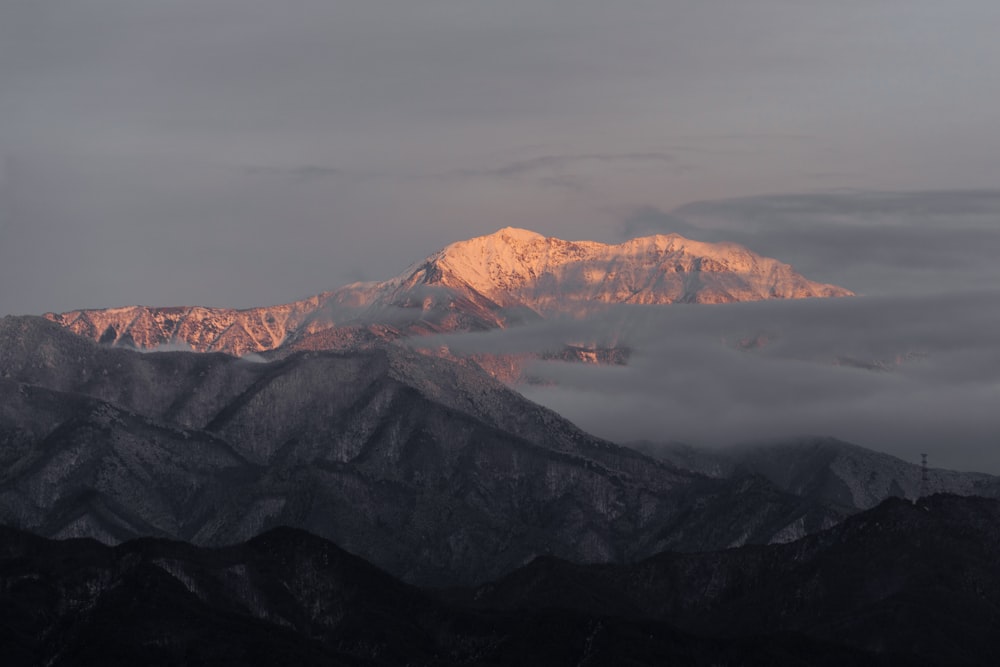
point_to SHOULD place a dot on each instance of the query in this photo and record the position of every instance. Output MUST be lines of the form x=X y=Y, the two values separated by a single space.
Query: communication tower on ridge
x=923 y=475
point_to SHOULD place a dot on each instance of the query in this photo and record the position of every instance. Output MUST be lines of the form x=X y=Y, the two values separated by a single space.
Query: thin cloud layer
x=871 y=242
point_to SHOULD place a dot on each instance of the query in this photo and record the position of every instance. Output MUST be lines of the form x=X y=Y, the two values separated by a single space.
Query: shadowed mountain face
x=907 y=579
x=901 y=584
x=825 y=470
x=499 y=280
x=429 y=468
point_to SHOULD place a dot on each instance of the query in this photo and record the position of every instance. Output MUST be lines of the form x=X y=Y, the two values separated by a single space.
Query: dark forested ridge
x=899 y=584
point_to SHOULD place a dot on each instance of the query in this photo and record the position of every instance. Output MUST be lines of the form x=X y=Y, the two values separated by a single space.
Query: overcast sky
x=242 y=152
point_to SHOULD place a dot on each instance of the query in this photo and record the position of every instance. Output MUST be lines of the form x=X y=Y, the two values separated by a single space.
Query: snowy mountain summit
x=517 y=267
x=494 y=281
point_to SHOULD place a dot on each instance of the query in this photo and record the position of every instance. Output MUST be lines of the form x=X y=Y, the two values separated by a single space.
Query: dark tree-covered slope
x=901 y=584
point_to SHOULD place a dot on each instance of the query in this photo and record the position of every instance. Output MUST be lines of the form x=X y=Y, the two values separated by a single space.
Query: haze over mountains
x=509 y=277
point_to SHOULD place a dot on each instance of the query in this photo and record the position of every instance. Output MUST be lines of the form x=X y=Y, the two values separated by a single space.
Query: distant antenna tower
x=923 y=475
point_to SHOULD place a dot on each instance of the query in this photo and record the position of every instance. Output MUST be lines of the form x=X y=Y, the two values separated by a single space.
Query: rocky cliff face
x=498 y=280
x=200 y=329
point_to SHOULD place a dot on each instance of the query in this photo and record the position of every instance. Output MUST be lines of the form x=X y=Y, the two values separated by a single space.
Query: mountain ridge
x=901 y=584
x=459 y=476
x=493 y=281
x=838 y=473
x=512 y=259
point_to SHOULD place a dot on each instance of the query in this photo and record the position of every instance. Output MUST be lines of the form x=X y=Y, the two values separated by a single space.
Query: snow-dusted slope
x=516 y=267
x=218 y=329
x=201 y=329
x=505 y=278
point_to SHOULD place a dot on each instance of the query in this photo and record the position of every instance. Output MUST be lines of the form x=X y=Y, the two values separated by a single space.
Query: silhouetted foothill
x=901 y=584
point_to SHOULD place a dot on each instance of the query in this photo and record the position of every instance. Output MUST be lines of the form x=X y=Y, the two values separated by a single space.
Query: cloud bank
x=905 y=374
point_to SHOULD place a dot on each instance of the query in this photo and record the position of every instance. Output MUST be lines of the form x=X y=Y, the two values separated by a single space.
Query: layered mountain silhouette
x=900 y=584
x=913 y=580
x=437 y=474
x=499 y=280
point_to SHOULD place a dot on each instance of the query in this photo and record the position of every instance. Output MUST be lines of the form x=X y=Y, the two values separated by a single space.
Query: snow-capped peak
x=515 y=234
x=485 y=282
x=520 y=267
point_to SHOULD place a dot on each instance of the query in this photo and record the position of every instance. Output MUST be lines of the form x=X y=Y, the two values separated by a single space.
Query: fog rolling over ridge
x=893 y=374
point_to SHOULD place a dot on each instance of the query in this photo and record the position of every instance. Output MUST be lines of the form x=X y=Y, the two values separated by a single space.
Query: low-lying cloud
x=904 y=374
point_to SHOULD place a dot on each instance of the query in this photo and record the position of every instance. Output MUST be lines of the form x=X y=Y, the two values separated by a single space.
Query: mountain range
x=900 y=584
x=428 y=467
x=830 y=471
x=508 y=277
x=238 y=458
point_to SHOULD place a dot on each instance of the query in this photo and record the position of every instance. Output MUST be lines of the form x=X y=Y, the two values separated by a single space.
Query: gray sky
x=236 y=153
x=242 y=152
